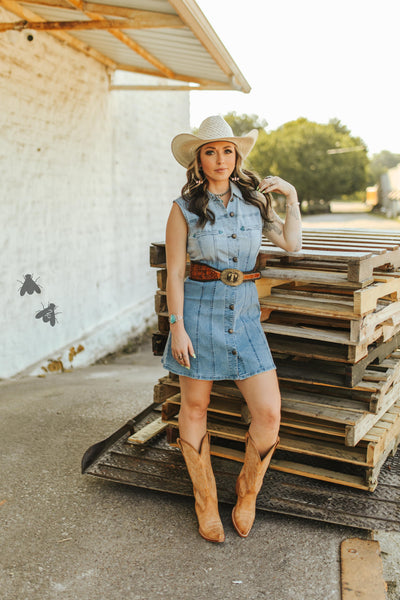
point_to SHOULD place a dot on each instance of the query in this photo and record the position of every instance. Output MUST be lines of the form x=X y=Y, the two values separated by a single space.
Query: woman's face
x=218 y=160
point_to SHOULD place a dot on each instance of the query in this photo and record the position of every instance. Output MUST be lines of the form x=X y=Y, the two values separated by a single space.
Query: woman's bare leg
x=263 y=398
x=195 y=398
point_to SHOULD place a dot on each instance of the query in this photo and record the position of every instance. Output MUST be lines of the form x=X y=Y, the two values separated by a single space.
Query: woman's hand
x=279 y=186
x=284 y=234
x=181 y=346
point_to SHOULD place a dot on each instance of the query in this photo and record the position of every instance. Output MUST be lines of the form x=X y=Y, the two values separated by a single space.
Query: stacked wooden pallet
x=331 y=314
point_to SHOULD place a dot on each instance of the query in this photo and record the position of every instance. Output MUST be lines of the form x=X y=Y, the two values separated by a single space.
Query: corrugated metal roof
x=168 y=38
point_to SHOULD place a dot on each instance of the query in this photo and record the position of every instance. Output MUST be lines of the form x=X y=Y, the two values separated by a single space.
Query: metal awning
x=171 y=39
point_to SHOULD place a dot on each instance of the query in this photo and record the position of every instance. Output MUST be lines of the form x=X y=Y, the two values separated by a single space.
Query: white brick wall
x=86 y=183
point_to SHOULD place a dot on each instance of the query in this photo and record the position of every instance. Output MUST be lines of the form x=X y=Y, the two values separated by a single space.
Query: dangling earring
x=200 y=181
x=234 y=178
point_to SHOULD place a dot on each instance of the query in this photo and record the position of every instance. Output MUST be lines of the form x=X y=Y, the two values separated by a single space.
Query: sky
x=317 y=59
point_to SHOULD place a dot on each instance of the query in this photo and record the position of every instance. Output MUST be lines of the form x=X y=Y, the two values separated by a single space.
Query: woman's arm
x=175 y=247
x=285 y=234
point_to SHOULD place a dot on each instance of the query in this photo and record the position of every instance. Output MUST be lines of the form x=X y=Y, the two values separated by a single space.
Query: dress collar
x=234 y=190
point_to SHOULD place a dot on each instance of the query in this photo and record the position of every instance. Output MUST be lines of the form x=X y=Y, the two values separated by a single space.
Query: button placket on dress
x=230 y=298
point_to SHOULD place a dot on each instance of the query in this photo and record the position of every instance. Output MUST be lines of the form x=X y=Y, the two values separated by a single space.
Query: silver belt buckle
x=232 y=277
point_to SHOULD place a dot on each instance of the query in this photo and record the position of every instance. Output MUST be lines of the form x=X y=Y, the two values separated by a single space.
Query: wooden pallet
x=356 y=252
x=329 y=348
x=319 y=359
x=309 y=300
x=370 y=392
x=355 y=467
x=341 y=419
x=383 y=323
x=155 y=465
x=323 y=462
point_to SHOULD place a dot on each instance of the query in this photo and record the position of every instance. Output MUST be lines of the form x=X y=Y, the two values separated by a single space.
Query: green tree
x=242 y=124
x=323 y=161
x=380 y=163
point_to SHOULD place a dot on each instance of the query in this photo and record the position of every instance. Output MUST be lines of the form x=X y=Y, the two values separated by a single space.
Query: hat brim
x=184 y=145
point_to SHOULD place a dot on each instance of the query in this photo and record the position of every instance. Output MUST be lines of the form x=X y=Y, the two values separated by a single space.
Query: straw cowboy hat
x=212 y=129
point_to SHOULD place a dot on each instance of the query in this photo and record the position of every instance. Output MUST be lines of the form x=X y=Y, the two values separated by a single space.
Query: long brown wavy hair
x=195 y=190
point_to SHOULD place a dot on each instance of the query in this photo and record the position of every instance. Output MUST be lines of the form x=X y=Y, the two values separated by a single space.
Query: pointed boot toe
x=242 y=521
x=213 y=533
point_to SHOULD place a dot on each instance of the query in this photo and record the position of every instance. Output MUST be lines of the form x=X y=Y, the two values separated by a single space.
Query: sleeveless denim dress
x=222 y=321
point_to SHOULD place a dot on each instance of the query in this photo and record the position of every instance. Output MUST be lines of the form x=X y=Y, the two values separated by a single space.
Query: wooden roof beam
x=128 y=41
x=169 y=88
x=25 y=13
x=145 y=19
x=71 y=25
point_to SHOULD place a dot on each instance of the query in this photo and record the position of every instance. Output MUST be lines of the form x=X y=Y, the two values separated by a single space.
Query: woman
x=215 y=329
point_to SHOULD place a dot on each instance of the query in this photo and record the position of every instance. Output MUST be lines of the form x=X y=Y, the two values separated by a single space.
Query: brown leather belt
x=233 y=277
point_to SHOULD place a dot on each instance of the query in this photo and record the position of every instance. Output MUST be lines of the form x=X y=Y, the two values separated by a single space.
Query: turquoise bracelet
x=174 y=318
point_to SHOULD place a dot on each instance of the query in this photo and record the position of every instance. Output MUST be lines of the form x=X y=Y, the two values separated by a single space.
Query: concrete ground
x=69 y=536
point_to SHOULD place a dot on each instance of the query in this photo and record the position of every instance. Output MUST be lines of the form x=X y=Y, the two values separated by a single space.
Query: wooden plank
x=145 y=18
x=335 y=279
x=226 y=406
x=355 y=433
x=359 y=303
x=370 y=391
x=313 y=369
x=391 y=234
x=366 y=299
x=147 y=432
x=360 y=265
x=355 y=350
x=319 y=473
x=79 y=25
x=324 y=350
x=361 y=570
x=157 y=255
x=228 y=432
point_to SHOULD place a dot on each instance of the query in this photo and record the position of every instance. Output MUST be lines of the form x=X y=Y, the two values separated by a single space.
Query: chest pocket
x=206 y=244
x=250 y=242
x=250 y=233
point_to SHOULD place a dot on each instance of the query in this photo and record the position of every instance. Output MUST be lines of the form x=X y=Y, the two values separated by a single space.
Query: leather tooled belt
x=233 y=277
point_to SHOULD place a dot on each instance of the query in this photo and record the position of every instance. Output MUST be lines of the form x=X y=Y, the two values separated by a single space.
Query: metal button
x=230 y=330
x=235 y=259
x=234 y=236
x=231 y=214
x=231 y=306
x=234 y=352
x=231 y=200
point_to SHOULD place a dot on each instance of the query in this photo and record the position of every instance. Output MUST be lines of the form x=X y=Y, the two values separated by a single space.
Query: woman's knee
x=269 y=415
x=195 y=397
x=195 y=407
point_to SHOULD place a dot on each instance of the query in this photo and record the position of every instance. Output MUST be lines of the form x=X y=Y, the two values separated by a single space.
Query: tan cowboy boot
x=204 y=488
x=248 y=485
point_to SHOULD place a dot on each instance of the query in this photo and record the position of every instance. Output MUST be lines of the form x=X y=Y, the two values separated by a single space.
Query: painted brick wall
x=86 y=183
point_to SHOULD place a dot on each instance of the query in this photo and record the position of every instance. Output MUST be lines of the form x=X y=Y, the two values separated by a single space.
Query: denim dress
x=223 y=322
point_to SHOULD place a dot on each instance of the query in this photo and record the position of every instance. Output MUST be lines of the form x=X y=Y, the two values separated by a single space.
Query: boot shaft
x=254 y=468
